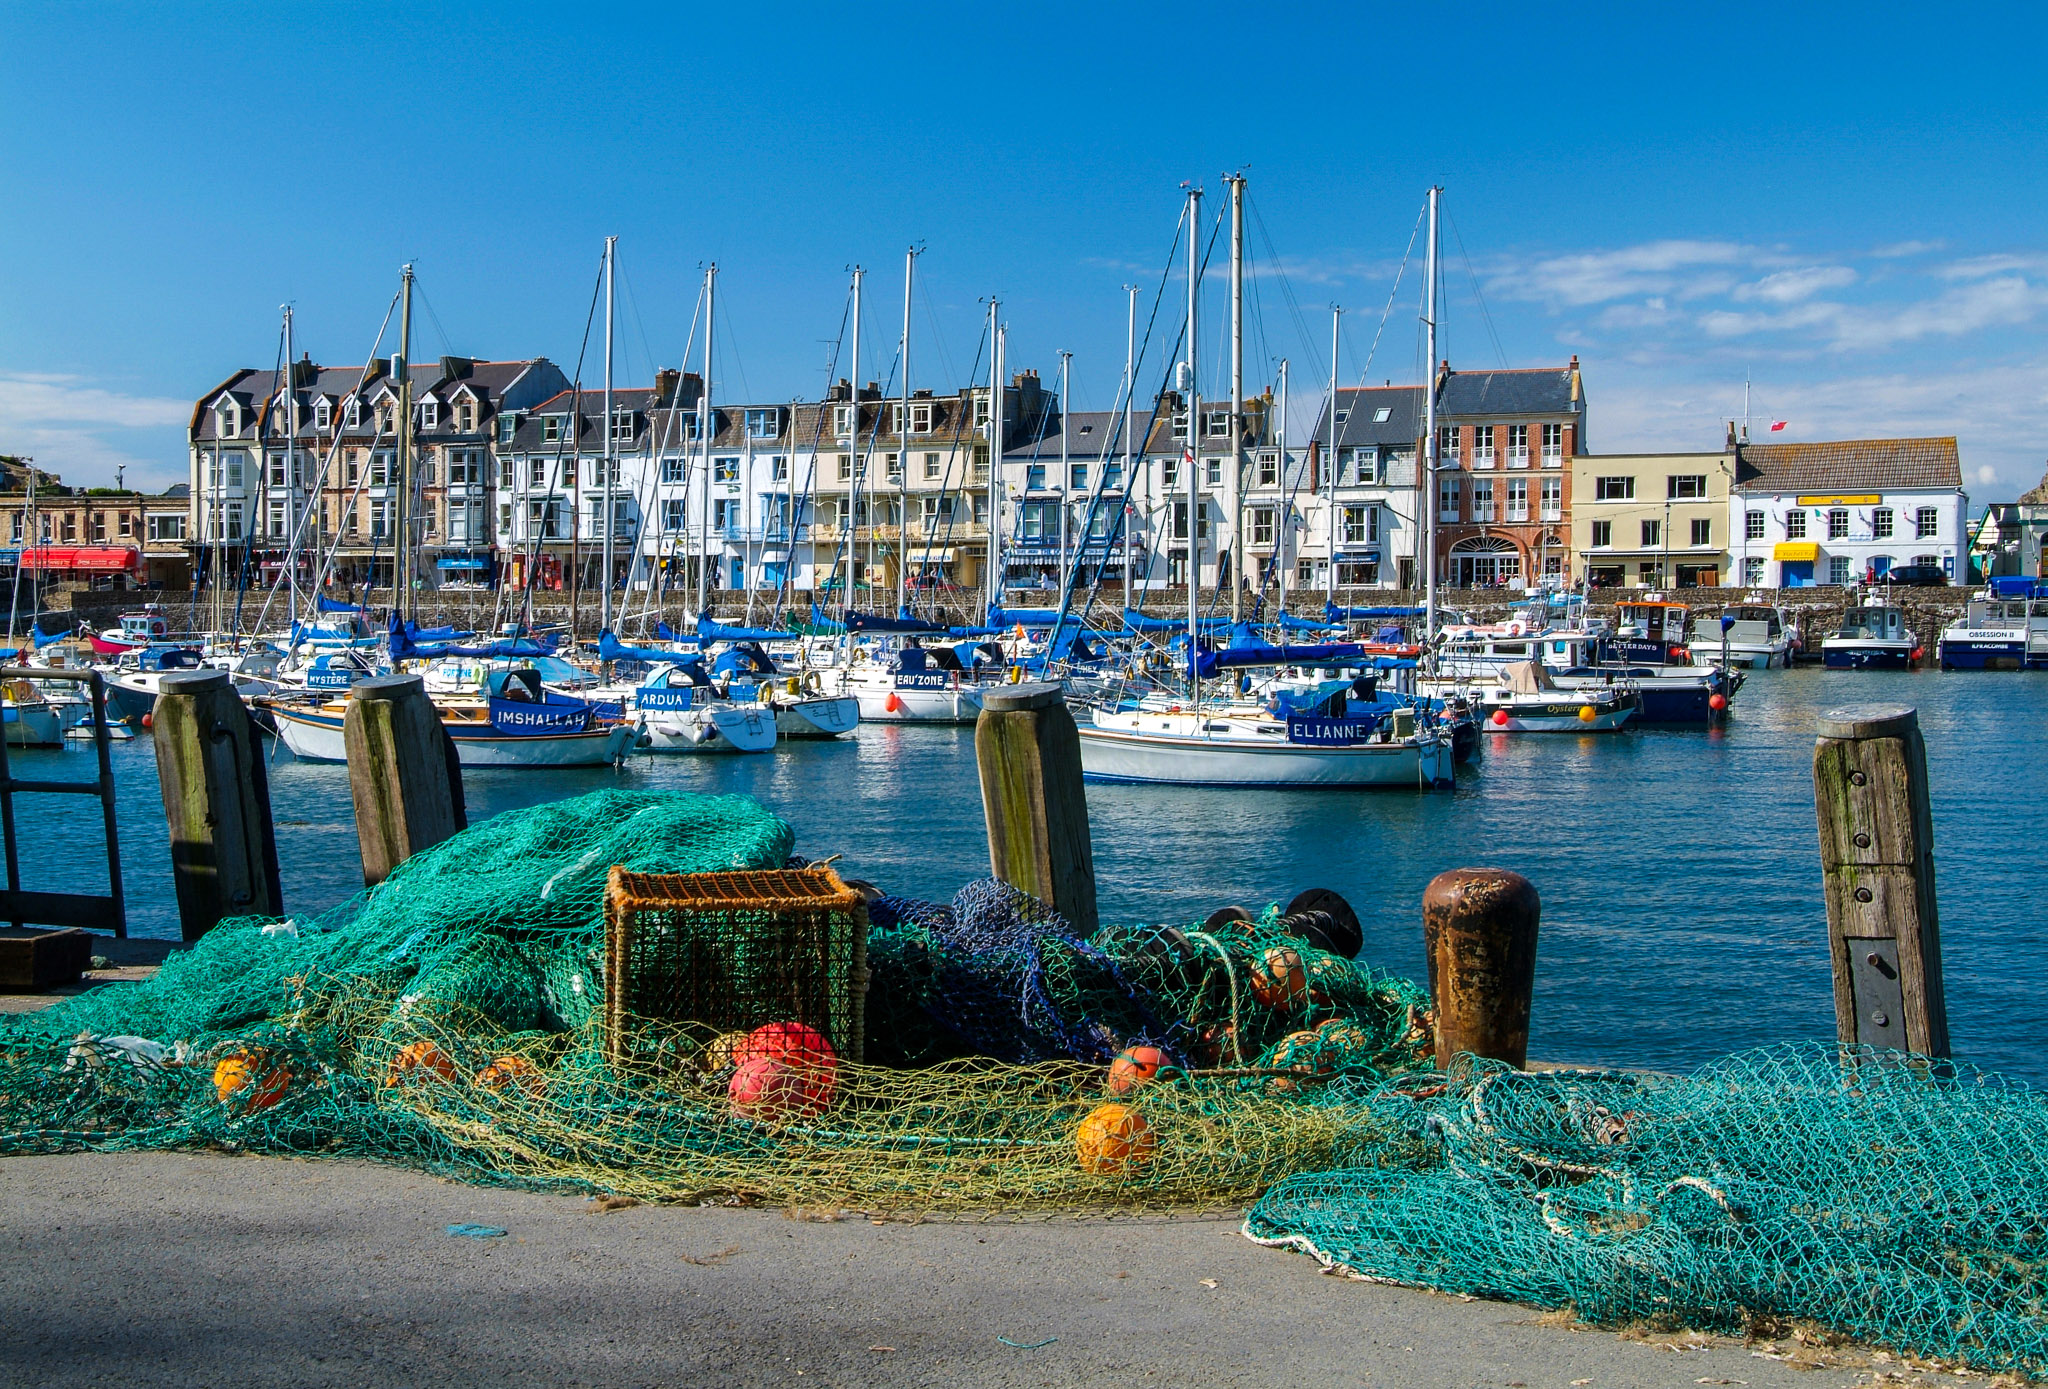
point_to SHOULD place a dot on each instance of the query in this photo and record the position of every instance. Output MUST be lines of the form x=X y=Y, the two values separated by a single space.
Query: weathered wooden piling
x=1029 y=754
x=1877 y=864
x=403 y=773
x=209 y=765
x=1479 y=934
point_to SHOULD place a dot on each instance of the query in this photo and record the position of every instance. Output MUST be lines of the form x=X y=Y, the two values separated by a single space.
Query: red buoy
x=1717 y=702
x=1500 y=718
x=149 y=720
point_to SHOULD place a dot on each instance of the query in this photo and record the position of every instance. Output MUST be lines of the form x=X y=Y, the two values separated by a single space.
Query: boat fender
x=892 y=703
x=766 y=692
x=812 y=685
x=1016 y=675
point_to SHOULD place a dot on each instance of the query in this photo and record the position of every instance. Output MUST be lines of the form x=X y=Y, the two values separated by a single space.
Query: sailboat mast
x=903 y=449
x=1130 y=402
x=401 y=568
x=611 y=465
x=291 y=458
x=1330 y=462
x=1191 y=452
x=1236 y=392
x=705 y=416
x=1066 y=471
x=1283 y=523
x=993 y=550
x=853 y=456
x=1429 y=440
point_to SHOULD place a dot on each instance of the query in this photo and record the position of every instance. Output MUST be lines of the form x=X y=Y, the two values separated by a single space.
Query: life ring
x=1516 y=628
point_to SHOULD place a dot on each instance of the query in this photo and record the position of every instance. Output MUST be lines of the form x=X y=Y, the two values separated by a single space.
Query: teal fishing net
x=1896 y=1200
x=452 y=1019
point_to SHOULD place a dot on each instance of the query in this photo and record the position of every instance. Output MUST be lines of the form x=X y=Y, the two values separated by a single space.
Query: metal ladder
x=86 y=911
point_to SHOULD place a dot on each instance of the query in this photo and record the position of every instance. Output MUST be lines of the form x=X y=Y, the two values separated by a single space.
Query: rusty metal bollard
x=1479 y=933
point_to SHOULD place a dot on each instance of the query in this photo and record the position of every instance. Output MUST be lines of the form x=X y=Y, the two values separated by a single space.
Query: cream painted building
x=1651 y=520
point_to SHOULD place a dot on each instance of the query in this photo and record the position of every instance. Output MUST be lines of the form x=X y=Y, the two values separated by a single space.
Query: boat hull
x=1559 y=718
x=1981 y=653
x=314 y=737
x=1868 y=656
x=710 y=729
x=814 y=719
x=32 y=726
x=1744 y=655
x=1117 y=756
x=956 y=704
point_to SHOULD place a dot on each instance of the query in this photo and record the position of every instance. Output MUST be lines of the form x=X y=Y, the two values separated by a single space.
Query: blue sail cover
x=403 y=647
x=999 y=616
x=328 y=605
x=822 y=623
x=610 y=648
x=1135 y=621
x=1337 y=614
x=876 y=622
x=1292 y=623
x=41 y=641
x=708 y=630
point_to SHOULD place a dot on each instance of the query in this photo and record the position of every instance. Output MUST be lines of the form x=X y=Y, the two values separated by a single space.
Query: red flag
x=1777 y=425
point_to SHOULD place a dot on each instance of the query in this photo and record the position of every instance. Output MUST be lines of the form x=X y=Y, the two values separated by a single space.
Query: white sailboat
x=1174 y=740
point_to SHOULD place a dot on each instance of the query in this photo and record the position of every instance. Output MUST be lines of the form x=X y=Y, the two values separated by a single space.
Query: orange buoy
x=510 y=1072
x=1500 y=718
x=1278 y=980
x=1114 y=1137
x=419 y=1061
x=1133 y=1067
x=235 y=1075
x=149 y=720
x=1717 y=702
x=892 y=703
x=780 y=1088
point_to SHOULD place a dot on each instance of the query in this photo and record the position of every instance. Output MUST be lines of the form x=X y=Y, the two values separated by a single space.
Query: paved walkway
x=202 y=1269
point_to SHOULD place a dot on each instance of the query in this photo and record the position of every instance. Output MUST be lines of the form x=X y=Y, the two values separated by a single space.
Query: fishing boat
x=1872 y=637
x=27 y=719
x=1754 y=635
x=679 y=709
x=134 y=631
x=518 y=723
x=1997 y=632
x=1525 y=698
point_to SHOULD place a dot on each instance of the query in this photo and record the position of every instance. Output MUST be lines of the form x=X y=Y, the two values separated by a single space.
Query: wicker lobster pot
x=733 y=951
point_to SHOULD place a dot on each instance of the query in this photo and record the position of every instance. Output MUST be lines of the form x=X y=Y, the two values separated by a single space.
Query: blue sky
x=1844 y=203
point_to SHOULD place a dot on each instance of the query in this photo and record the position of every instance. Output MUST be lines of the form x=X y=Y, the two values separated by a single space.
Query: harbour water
x=1682 y=913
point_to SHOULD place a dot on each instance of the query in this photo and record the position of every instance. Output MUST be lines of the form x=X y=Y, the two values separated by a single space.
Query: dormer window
x=1219 y=425
x=323 y=415
x=430 y=414
x=921 y=418
x=551 y=429
x=352 y=417
x=465 y=416
x=764 y=423
x=842 y=420
x=227 y=421
x=622 y=426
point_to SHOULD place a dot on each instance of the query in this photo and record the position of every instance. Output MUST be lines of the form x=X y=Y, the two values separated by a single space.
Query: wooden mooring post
x=1029 y=755
x=209 y=765
x=1479 y=934
x=403 y=773
x=1877 y=863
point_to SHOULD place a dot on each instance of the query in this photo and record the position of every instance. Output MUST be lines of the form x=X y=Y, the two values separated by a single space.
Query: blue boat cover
x=404 y=647
x=1337 y=614
x=328 y=605
x=876 y=622
x=41 y=641
x=708 y=630
x=610 y=648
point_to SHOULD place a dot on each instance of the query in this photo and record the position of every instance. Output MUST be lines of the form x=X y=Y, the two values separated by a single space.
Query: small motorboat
x=1872 y=637
x=803 y=710
x=1524 y=698
x=27 y=719
x=1998 y=631
x=1754 y=635
x=135 y=631
x=1162 y=740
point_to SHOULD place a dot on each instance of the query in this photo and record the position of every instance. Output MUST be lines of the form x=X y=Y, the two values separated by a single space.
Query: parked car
x=1919 y=576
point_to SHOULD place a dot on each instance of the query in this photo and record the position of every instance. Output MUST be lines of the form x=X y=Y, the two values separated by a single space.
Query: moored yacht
x=1164 y=741
x=1997 y=632
x=1752 y=634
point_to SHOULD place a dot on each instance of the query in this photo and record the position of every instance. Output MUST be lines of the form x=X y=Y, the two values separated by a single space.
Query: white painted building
x=1847 y=512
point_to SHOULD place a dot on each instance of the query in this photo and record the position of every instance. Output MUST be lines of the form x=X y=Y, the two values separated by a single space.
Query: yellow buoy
x=1587 y=713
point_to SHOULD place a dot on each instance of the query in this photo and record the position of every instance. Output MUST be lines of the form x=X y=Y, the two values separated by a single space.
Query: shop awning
x=98 y=559
x=1798 y=551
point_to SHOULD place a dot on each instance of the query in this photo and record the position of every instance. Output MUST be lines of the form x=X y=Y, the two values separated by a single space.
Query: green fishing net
x=452 y=1019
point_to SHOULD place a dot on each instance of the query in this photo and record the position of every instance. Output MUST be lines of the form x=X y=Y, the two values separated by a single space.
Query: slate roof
x=1402 y=426
x=1520 y=391
x=1852 y=465
x=1093 y=433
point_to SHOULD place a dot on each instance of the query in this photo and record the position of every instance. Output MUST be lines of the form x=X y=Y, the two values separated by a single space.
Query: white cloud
x=1975 y=267
x=1791 y=286
x=1899 y=250
x=1596 y=277
x=1986 y=474
x=83 y=433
